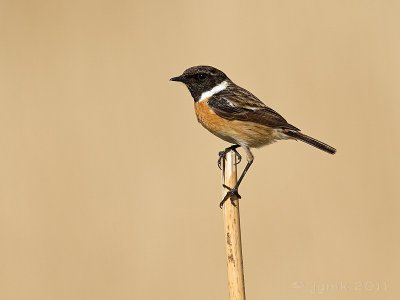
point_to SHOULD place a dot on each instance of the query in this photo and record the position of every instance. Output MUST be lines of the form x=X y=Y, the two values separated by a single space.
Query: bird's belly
x=236 y=132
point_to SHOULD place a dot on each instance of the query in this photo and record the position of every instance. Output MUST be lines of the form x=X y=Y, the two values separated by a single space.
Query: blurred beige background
x=109 y=188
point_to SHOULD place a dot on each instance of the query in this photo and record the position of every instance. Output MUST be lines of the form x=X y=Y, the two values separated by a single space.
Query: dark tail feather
x=311 y=141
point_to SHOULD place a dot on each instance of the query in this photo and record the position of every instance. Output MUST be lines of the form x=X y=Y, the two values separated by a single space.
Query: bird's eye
x=201 y=76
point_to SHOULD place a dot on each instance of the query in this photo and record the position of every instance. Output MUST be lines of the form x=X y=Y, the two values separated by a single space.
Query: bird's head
x=202 y=79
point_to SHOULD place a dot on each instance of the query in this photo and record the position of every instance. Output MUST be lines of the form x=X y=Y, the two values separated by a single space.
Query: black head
x=201 y=79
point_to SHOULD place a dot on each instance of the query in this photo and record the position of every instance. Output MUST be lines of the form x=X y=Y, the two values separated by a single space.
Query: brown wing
x=236 y=103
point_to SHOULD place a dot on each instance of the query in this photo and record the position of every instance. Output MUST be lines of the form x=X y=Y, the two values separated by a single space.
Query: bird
x=235 y=115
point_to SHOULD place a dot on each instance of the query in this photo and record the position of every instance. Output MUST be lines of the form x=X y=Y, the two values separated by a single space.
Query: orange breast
x=234 y=131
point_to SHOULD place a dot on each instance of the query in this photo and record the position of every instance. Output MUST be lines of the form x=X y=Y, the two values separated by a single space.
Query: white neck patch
x=216 y=89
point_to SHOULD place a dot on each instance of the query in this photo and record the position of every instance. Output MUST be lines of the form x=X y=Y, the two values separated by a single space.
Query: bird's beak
x=180 y=78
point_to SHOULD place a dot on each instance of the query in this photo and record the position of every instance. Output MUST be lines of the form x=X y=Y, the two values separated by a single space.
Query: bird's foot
x=232 y=194
x=222 y=155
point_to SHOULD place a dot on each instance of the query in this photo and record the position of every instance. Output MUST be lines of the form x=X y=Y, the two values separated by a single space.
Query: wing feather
x=236 y=103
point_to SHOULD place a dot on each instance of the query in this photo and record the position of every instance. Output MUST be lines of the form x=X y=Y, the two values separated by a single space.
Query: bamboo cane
x=233 y=242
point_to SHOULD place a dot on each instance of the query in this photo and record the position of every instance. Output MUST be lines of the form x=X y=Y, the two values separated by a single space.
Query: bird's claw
x=232 y=194
x=222 y=155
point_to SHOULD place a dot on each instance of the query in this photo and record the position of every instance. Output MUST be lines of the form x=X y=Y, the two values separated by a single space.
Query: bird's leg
x=223 y=153
x=233 y=193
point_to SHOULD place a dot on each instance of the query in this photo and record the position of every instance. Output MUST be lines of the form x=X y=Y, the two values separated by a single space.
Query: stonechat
x=237 y=116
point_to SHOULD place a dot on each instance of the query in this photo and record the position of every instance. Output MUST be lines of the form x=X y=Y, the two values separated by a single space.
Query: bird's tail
x=311 y=141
